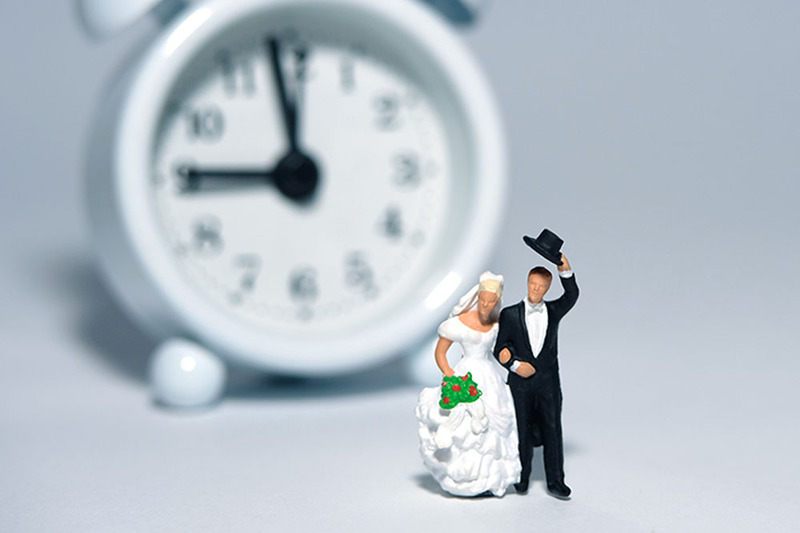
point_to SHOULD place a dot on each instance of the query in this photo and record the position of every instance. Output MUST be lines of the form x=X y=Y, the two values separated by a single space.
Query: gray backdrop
x=660 y=139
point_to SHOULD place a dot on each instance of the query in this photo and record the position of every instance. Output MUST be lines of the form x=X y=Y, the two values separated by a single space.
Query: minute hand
x=296 y=174
x=288 y=108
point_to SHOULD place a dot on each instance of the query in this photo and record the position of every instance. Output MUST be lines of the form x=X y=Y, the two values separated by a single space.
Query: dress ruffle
x=471 y=448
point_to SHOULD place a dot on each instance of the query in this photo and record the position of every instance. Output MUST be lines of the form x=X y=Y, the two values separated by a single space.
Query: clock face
x=302 y=176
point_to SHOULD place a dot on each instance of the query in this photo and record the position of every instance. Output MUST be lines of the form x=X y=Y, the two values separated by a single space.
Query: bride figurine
x=470 y=448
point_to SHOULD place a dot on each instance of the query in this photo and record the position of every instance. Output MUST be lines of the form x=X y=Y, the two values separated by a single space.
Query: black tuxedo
x=537 y=399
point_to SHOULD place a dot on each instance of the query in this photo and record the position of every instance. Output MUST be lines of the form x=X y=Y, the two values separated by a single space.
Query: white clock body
x=411 y=161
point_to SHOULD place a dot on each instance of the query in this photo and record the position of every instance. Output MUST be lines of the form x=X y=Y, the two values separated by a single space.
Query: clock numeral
x=293 y=43
x=303 y=285
x=391 y=223
x=238 y=74
x=347 y=73
x=205 y=124
x=300 y=56
x=207 y=236
x=347 y=68
x=406 y=170
x=184 y=181
x=250 y=264
x=387 y=108
x=359 y=275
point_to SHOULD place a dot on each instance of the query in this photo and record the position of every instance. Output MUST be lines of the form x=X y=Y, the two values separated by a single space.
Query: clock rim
x=193 y=315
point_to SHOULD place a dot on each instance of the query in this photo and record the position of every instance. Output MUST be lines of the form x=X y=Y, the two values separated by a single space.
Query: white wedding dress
x=471 y=448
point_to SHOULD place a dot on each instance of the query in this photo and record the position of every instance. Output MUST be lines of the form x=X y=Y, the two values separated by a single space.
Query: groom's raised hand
x=564 y=266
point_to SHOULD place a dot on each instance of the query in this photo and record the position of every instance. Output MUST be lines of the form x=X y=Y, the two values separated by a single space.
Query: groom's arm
x=504 y=349
x=571 y=292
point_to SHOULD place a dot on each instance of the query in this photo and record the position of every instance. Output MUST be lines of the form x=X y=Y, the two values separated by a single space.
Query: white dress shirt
x=536 y=322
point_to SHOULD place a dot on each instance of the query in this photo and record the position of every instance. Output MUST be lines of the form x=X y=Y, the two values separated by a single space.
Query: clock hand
x=220 y=177
x=288 y=108
x=295 y=176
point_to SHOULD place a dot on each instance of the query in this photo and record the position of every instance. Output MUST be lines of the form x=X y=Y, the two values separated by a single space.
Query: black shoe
x=559 y=490
x=521 y=487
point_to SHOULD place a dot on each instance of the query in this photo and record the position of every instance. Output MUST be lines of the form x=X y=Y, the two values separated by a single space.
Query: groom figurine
x=527 y=345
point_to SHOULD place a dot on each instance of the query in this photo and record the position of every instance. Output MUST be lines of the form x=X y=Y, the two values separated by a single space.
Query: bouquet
x=458 y=389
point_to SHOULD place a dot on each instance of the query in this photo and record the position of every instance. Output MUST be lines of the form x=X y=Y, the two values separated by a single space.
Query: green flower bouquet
x=458 y=389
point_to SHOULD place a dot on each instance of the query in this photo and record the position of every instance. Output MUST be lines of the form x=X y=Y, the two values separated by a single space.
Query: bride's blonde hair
x=491 y=285
x=488 y=282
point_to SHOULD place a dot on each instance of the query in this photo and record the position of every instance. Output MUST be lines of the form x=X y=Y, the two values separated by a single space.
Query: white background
x=659 y=139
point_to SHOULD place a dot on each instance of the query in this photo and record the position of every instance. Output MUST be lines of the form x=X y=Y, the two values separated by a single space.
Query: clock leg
x=421 y=365
x=186 y=374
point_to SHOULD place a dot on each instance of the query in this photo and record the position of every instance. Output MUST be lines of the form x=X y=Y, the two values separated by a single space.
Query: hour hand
x=295 y=176
x=205 y=179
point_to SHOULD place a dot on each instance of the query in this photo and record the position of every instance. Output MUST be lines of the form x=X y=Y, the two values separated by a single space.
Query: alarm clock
x=304 y=187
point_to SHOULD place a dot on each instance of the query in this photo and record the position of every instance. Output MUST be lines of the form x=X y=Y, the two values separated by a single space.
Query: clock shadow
x=119 y=344
x=102 y=326
x=245 y=384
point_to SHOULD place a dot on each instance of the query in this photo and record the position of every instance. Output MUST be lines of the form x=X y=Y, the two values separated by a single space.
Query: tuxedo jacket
x=513 y=335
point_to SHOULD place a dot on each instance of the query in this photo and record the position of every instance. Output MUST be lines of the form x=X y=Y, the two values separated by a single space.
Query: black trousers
x=539 y=421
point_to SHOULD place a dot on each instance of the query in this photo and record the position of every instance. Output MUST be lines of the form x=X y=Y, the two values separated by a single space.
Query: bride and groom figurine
x=485 y=443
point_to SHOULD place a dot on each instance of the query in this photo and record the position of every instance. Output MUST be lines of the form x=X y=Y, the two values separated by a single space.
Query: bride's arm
x=441 y=356
x=502 y=346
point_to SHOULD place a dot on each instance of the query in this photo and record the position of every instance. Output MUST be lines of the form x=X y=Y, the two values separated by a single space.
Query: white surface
x=658 y=139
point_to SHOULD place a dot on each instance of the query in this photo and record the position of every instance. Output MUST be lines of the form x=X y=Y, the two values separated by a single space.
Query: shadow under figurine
x=527 y=345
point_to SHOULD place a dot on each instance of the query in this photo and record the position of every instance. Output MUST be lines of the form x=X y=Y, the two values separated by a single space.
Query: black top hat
x=547 y=244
